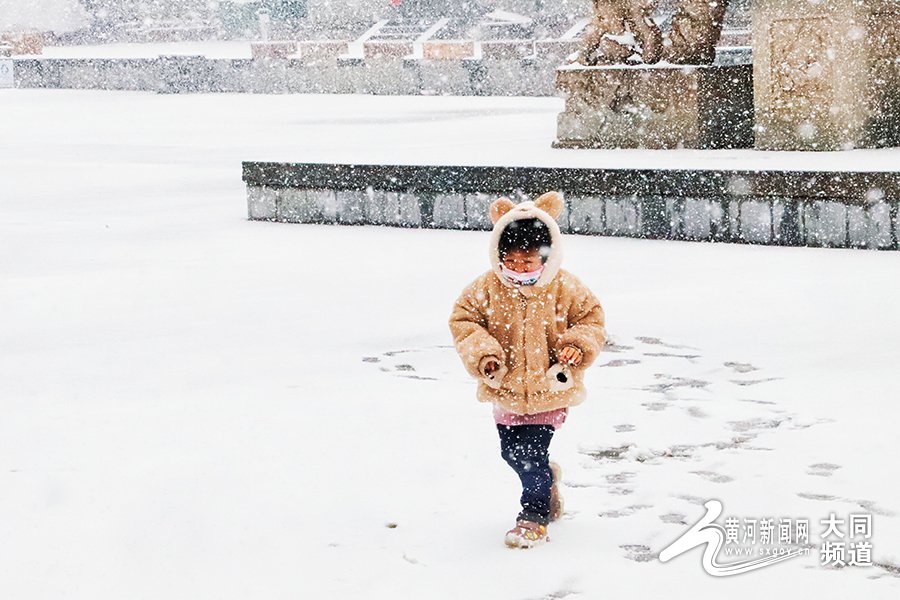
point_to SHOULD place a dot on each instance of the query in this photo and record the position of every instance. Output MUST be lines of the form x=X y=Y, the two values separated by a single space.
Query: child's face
x=523 y=261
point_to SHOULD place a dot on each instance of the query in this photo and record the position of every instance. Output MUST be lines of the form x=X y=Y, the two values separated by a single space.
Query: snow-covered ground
x=195 y=405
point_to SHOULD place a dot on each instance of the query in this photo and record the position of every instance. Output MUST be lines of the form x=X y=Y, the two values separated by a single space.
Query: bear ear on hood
x=500 y=207
x=551 y=203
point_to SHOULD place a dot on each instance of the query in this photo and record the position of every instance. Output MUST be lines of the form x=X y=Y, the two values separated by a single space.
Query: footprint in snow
x=638 y=553
x=620 y=477
x=622 y=362
x=714 y=477
x=673 y=518
x=741 y=367
x=823 y=469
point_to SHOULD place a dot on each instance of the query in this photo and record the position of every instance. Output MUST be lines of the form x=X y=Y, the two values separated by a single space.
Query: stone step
x=789 y=208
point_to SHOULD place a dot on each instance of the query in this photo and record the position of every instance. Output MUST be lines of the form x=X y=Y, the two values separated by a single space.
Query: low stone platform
x=656 y=106
x=793 y=208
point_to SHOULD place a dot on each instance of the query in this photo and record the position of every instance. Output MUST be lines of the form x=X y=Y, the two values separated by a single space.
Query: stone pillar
x=826 y=74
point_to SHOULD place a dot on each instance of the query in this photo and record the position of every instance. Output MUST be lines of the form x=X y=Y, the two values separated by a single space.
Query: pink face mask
x=529 y=278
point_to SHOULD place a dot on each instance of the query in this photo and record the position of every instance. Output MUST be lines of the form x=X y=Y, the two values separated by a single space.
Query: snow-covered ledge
x=856 y=209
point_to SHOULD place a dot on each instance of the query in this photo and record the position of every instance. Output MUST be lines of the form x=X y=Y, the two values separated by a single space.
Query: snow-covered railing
x=791 y=208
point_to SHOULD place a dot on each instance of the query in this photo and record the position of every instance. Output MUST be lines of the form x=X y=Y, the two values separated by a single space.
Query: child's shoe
x=557 y=505
x=526 y=534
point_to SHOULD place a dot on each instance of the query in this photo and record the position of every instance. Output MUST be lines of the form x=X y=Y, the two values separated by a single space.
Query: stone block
x=563 y=218
x=701 y=219
x=825 y=223
x=326 y=201
x=351 y=207
x=655 y=107
x=869 y=226
x=444 y=77
x=403 y=210
x=230 y=75
x=138 y=75
x=826 y=74
x=380 y=208
x=478 y=211
x=586 y=214
x=382 y=77
x=262 y=203
x=756 y=221
x=390 y=208
x=267 y=76
x=410 y=211
x=298 y=206
x=79 y=74
x=184 y=74
x=518 y=78
x=325 y=79
x=623 y=216
x=880 y=222
x=449 y=211
x=857 y=226
x=33 y=73
x=108 y=72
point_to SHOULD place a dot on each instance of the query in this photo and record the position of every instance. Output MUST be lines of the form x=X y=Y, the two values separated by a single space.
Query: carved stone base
x=826 y=74
x=656 y=107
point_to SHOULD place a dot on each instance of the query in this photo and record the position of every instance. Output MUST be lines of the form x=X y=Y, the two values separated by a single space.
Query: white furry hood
x=546 y=209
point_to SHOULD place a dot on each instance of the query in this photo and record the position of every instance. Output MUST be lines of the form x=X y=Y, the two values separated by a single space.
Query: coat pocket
x=559 y=378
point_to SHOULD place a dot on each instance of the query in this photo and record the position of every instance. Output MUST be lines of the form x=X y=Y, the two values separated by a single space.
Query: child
x=527 y=330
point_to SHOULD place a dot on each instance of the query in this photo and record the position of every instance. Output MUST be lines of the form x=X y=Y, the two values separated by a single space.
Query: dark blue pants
x=526 y=448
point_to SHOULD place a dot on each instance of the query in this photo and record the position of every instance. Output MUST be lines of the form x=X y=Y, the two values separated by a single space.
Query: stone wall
x=855 y=210
x=318 y=68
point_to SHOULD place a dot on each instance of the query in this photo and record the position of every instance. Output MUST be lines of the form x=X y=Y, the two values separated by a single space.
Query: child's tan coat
x=522 y=328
